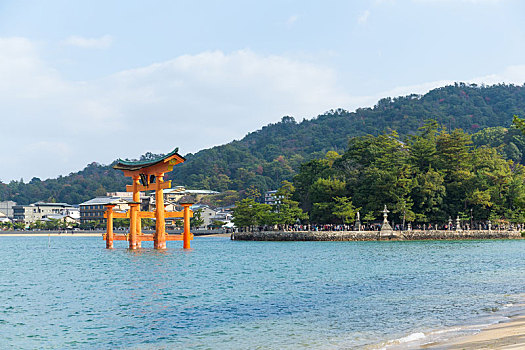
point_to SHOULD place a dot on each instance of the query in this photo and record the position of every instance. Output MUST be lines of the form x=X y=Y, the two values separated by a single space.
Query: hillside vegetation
x=266 y=157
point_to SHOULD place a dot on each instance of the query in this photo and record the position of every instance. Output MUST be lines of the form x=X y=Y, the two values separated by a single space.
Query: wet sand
x=505 y=335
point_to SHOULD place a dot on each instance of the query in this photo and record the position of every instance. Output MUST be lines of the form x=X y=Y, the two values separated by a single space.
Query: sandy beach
x=508 y=334
x=505 y=335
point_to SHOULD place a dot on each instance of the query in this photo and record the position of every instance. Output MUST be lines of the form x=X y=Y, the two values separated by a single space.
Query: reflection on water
x=230 y=294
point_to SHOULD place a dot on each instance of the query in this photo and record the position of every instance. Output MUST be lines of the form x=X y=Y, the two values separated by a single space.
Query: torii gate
x=148 y=175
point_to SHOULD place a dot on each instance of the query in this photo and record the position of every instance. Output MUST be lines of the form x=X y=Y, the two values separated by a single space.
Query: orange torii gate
x=148 y=175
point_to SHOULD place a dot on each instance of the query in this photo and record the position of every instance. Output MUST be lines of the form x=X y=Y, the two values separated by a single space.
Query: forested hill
x=267 y=156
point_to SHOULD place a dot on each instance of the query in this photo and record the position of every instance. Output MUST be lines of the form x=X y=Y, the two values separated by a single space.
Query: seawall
x=374 y=235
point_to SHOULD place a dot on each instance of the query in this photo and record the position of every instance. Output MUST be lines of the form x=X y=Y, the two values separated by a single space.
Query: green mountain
x=274 y=153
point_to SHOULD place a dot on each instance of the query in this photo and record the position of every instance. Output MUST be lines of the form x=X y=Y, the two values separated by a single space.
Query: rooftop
x=105 y=200
x=182 y=190
x=44 y=204
x=141 y=164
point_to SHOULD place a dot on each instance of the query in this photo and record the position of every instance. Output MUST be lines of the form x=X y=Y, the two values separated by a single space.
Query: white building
x=225 y=216
x=6 y=207
x=176 y=193
x=271 y=197
x=207 y=214
x=38 y=211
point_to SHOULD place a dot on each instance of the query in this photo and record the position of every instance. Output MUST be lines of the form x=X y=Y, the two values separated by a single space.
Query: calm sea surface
x=222 y=294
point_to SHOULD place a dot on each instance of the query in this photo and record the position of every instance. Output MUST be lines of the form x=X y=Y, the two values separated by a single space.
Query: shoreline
x=51 y=234
x=507 y=334
x=83 y=234
x=503 y=329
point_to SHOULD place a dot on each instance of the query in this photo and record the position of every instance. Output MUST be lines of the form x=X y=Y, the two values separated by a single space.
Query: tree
x=422 y=146
x=19 y=225
x=197 y=221
x=249 y=213
x=223 y=199
x=122 y=223
x=52 y=224
x=253 y=193
x=308 y=174
x=323 y=192
x=37 y=225
x=369 y=217
x=519 y=123
x=287 y=211
x=89 y=225
x=147 y=223
x=455 y=163
x=427 y=194
x=217 y=223
x=344 y=209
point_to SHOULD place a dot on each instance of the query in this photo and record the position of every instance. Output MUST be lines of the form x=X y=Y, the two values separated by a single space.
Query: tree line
x=428 y=177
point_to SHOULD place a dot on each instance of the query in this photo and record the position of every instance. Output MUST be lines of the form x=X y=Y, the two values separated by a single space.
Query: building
x=6 y=207
x=223 y=215
x=37 y=211
x=207 y=214
x=4 y=218
x=122 y=194
x=73 y=212
x=70 y=221
x=176 y=193
x=94 y=209
x=271 y=197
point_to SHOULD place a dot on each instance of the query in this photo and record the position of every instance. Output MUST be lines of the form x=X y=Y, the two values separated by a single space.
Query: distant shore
x=50 y=233
x=70 y=233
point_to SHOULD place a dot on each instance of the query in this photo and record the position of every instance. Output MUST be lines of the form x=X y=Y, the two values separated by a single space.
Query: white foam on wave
x=411 y=337
x=418 y=339
x=442 y=331
x=403 y=340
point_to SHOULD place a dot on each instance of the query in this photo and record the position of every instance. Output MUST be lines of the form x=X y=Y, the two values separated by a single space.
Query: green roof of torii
x=141 y=164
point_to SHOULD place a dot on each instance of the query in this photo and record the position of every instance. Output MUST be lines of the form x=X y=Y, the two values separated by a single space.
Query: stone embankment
x=373 y=235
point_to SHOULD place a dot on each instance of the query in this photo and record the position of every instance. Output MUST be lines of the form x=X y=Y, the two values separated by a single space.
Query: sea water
x=70 y=292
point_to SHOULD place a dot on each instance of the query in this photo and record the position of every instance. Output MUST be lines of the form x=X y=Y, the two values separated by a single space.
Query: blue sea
x=70 y=292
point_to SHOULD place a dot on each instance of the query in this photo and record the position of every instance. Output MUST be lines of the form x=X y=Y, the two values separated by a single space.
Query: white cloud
x=363 y=18
x=54 y=126
x=292 y=19
x=89 y=43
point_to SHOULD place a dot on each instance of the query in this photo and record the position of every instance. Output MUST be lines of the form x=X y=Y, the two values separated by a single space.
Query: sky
x=94 y=81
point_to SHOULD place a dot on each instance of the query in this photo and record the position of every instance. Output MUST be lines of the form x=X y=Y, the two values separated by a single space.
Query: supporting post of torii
x=109 y=226
x=186 y=234
x=133 y=226
x=159 y=240
x=134 y=214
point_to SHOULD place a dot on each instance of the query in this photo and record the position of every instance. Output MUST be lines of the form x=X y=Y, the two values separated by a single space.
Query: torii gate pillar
x=186 y=235
x=159 y=241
